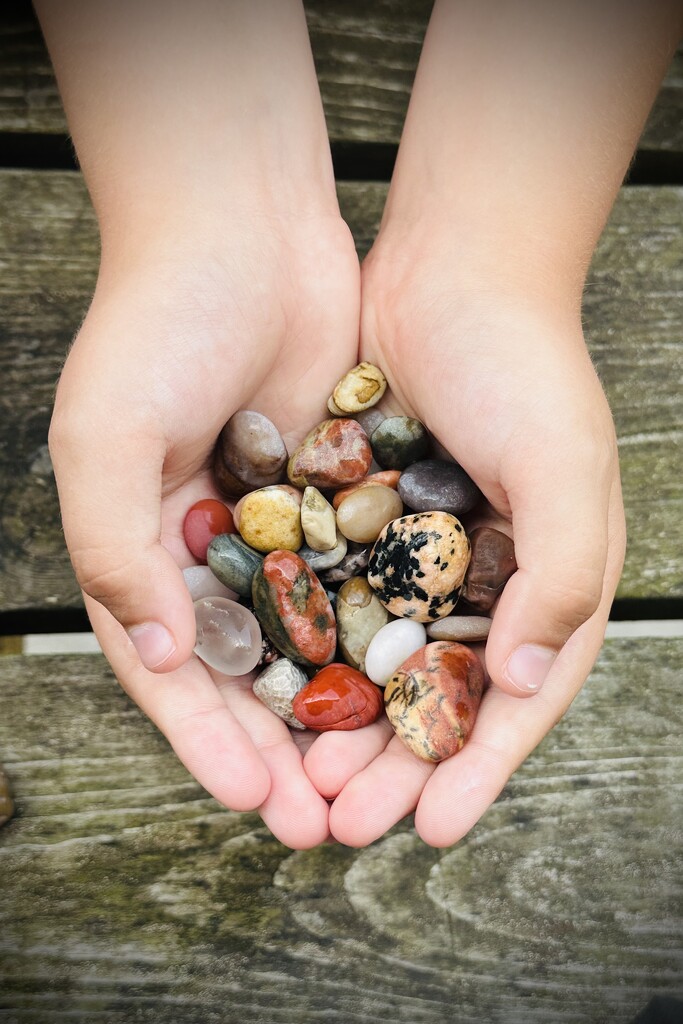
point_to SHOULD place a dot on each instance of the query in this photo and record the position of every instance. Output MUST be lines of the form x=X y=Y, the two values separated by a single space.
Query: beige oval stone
x=270 y=519
x=467 y=628
x=364 y=514
x=318 y=521
x=360 y=615
x=359 y=389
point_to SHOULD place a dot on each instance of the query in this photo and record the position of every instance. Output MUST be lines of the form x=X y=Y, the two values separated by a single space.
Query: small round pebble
x=335 y=453
x=201 y=582
x=463 y=628
x=362 y=516
x=228 y=636
x=270 y=519
x=386 y=477
x=249 y=453
x=278 y=685
x=359 y=616
x=369 y=420
x=433 y=698
x=320 y=560
x=318 y=521
x=204 y=521
x=338 y=697
x=390 y=647
x=359 y=389
x=233 y=562
x=436 y=485
x=491 y=566
x=399 y=441
x=417 y=565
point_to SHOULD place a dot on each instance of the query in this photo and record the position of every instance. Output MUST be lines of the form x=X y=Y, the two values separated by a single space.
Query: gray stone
x=278 y=685
x=320 y=560
x=249 y=454
x=353 y=564
x=462 y=628
x=233 y=562
x=435 y=485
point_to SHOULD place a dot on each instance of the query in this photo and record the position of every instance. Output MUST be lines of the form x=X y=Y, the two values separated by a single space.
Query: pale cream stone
x=364 y=514
x=334 y=408
x=318 y=521
x=359 y=389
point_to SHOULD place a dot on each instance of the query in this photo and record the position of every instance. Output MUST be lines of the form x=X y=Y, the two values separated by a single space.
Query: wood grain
x=634 y=321
x=365 y=55
x=127 y=894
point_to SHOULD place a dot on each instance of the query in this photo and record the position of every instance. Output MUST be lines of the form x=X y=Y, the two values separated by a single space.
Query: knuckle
x=574 y=600
x=101 y=576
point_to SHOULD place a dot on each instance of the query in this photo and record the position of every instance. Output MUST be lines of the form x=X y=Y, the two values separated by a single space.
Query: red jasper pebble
x=205 y=520
x=338 y=697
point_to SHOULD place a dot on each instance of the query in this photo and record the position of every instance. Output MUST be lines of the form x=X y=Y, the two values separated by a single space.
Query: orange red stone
x=338 y=698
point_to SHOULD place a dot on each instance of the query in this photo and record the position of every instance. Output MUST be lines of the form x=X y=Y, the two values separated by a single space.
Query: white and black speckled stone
x=418 y=564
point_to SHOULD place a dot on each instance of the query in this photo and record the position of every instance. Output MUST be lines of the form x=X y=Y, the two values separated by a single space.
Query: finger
x=560 y=526
x=294 y=811
x=336 y=757
x=189 y=710
x=109 y=483
x=379 y=796
x=507 y=730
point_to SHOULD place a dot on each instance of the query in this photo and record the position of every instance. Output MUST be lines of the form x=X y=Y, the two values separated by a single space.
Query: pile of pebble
x=352 y=594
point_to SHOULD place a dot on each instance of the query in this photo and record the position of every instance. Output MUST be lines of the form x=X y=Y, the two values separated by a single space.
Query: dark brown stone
x=491 y=565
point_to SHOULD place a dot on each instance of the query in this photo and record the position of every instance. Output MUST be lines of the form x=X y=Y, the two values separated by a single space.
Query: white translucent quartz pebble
x=228 y=635
x=390 y=646
x=201 y=582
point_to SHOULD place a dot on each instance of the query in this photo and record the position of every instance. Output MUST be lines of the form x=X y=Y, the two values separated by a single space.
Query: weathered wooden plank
x=365 y=55
x=127 y=894
x=634 y=319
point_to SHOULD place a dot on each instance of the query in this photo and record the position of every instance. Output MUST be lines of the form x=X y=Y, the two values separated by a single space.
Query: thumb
x=559 y=521
x=109 y=485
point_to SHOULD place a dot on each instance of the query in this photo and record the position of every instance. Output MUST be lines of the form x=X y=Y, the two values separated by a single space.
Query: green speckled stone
x=294 y=610
x=398 y=442
x=233 y=562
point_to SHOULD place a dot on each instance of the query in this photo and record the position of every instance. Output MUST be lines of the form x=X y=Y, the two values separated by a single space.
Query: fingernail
x=528 y=666
x=153 y=642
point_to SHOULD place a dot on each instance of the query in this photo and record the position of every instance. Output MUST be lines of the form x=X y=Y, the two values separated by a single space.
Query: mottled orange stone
x=336 y=453
x=338 y=697
x=433 y=698
x=387 y=477
x=299 y=606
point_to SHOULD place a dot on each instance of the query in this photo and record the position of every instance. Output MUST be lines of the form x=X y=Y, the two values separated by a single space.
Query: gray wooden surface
x=633 y=315
x=365 y=55
x=127 y=894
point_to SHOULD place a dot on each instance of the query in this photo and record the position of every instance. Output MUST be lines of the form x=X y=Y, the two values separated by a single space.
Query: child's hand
x=175 y=342
x=508 y=388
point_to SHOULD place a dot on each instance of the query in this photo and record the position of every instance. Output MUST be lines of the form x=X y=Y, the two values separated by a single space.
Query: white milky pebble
x=390 y=647
x=228 y=636
x=201 y=582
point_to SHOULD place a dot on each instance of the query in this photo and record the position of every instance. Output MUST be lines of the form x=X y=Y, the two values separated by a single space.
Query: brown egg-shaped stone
x=249 y=453
x=386 y=477
x=417 y=565
x=335 y=454
x=433 y=698
x=365 y=512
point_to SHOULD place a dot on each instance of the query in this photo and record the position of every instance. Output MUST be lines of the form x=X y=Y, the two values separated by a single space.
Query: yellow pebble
x=270 y=519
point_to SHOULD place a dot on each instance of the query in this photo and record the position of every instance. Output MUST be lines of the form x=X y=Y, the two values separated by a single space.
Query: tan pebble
x=360 y=615
x=237 y=511
x=359 y=389
x=364 y=514
x=318 y=521
x=386 y=477
x=270 y=519
x=334 y=408
x=467 y=628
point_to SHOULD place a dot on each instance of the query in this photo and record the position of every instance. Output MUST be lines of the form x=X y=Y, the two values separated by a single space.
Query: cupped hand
x=178 y=338
x=504 y=382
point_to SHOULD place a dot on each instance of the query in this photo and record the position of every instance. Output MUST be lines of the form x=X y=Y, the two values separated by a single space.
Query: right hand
x=178 y=338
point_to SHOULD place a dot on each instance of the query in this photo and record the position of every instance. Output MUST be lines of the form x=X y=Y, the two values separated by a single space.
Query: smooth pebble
x=201 y=582
x=436 y=485
x=336 y=453
x=398 y=441
x=228 y=635
x=270 y=519
x=340 y=698
x=278 y=685
x=362 y=516
x=463 y=628
x=359 y=389
x=359 y=616
x=390 y=647
x=385 y=477
x=318 y=521
x=233 y=562
x=319 y=560
x=491 y=566
x=249 y=453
